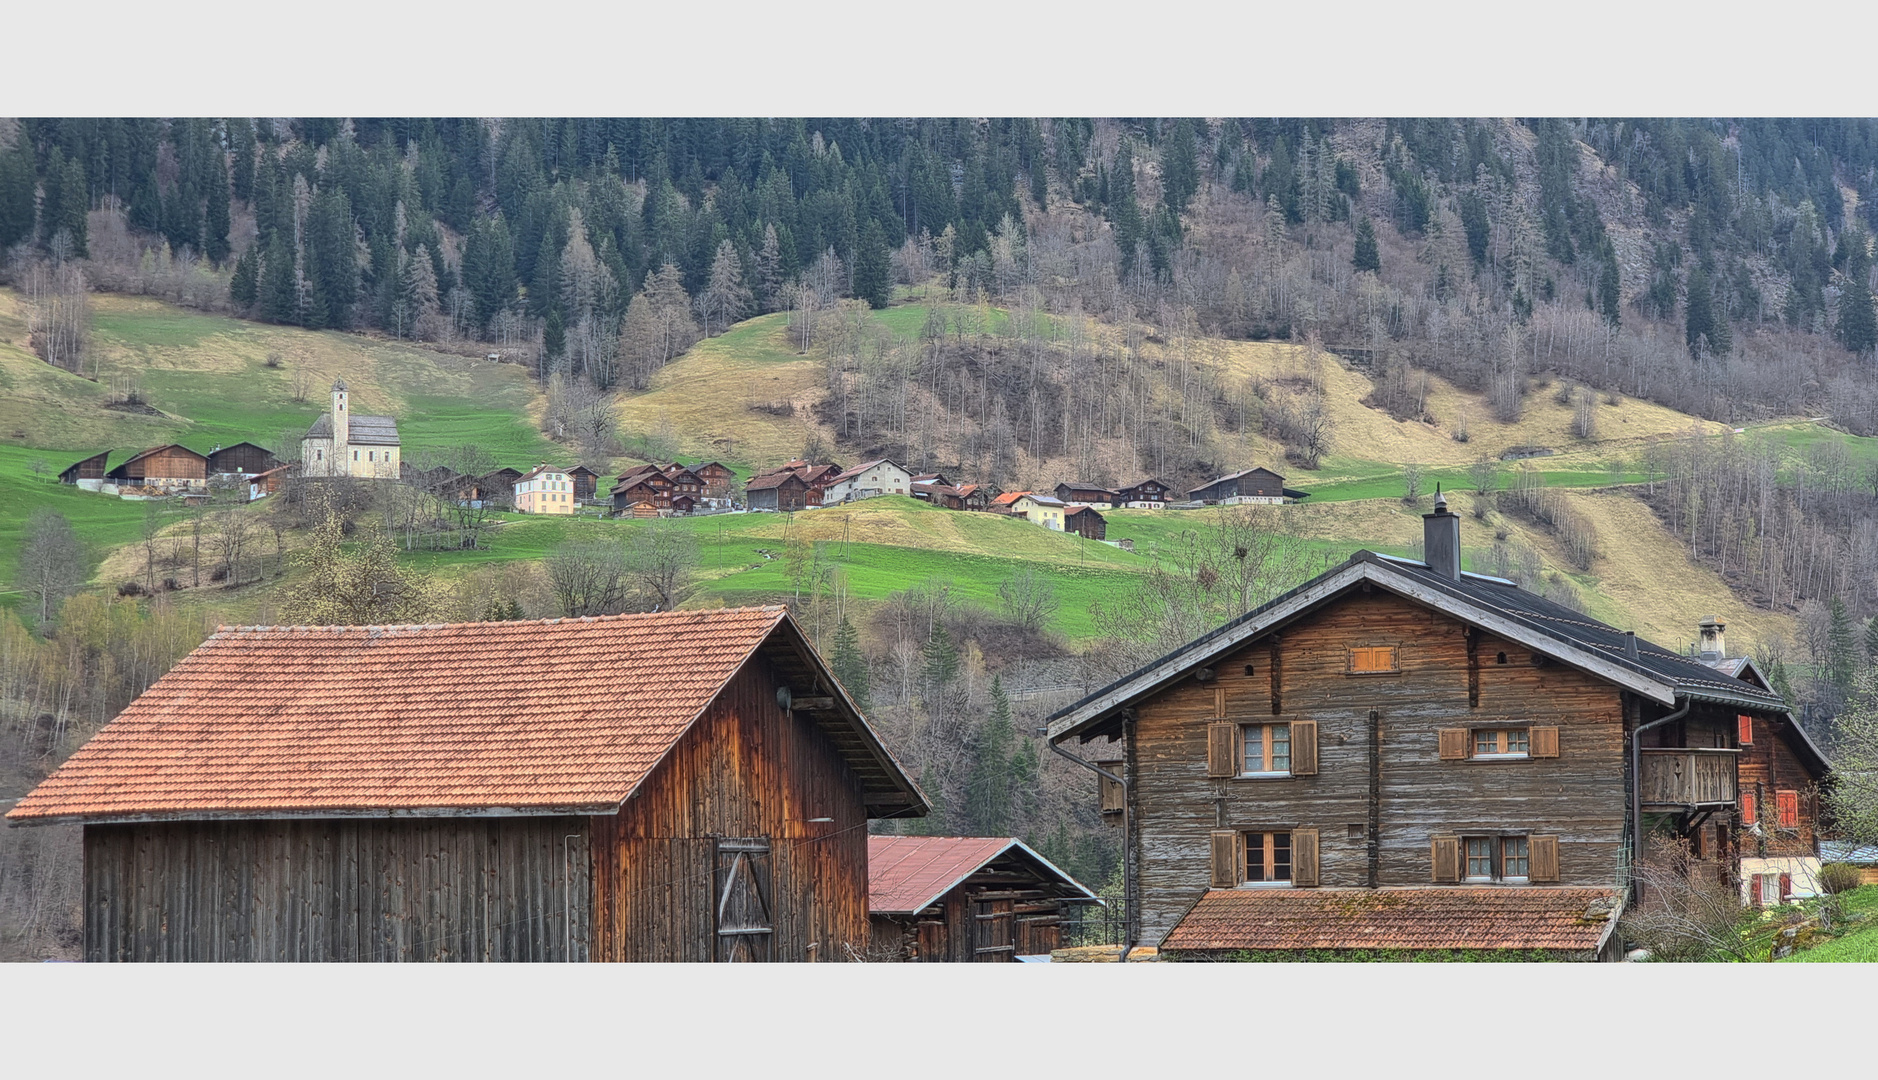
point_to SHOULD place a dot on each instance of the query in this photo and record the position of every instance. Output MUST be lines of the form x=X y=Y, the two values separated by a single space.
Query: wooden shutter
x=1786 y=887
x=1454 y=744
x=1754 y=890
x=1787 y=809
x=1744 y=729
x=1113 y=799
x=1445 y=855
x=1304 y=748
x=1228 y=849
x=1543 y=742
x=1542 y=858
x=1222 y=742
x=1747 y=807
x=1304 y=857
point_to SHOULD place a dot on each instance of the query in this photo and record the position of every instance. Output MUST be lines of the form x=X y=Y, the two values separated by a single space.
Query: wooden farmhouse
x=170 y=466
x=1149 y=494
x=1250 y=486
x=965 y=899
x=1085 y=494
x=717 y=478
x=643 y=483
x=498 y=487
x=423 y=793
x=1448 y=750
x=972 y=497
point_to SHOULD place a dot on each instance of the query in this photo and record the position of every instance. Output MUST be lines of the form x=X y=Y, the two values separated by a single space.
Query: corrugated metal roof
x=316 y=721
x=1571 y=920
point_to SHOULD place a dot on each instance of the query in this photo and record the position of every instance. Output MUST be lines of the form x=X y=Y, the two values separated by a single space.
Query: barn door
x=993 y=937
x=745 y=932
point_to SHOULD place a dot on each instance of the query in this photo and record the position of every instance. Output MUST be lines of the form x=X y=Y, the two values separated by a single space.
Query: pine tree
x=1609 y=298
x=553 y=338
x=1367 y=257
x=990 y=789
x=279 y=302
x=244 y=287
x=1858 y=326
x=1180 y=168
x=873 y=276
x=74 y=206
x=939 y=660
x=16 y=196
x=725 y=298
x=850 y=664
x=1699 y=327
x=215 y=223
x=1841 y=659
x=769 y=271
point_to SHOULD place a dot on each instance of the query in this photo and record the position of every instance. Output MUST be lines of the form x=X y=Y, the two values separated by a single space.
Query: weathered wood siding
x=332 y=890
x=746 y=770
x=1768 y=766
x=169 y=463
x=242 y=458
x=1578 y=796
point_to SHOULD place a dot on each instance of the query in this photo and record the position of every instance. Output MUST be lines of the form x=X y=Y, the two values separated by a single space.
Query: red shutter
x=1787 y=806
x=1747 y=807
x=1745 y=733
x=1754 y=890
x=1786 y=887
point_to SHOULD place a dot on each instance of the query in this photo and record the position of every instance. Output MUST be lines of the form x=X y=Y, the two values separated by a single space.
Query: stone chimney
x=1714 y=647
x=1441 y=539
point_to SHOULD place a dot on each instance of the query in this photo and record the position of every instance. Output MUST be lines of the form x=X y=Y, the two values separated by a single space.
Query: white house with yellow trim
x=341 y=443
x=545 y=490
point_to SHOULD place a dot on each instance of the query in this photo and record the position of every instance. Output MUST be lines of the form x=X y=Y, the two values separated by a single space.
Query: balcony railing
x=1685 y=777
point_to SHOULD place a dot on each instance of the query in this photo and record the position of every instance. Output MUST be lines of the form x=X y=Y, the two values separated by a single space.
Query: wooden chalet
x=92 y=468
x=684 y=504
x=684 y=481
x=422 y=793
x=1083 y=494
x=782 y=490
x=817 y=477
x=161 y=466
x=975 y=496
x=638 y=510
x=241 y=459
x=965 y=898
x=717 y=478
x=1149 y=494
x=1250 y=486
x=1087 y=522
x=930 y=478
x=586 y=482
x=644 y=483
x=1393 y=725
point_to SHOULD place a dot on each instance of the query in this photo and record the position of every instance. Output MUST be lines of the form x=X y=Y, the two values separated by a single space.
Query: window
x=355 y=455
x=1268 y=857
x=1787 y=809
x=1266 y=749
x=1497 y=858
x=1501 y=742
x=1748 y=801
x=1744 y=725
x=1372 y=659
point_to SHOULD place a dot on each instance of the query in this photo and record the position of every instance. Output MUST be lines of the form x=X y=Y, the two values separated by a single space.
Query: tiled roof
x=770 y=480
x=1426 y=918
x=361 y=430
x=1008 y=498
x=537 y=471
x=905 y=874
x=322 y=720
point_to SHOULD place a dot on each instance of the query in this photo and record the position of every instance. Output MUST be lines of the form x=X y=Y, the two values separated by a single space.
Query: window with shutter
x=1110 y=792
x=1269 y=858
x=1454 y=744
x=1445 y=855
x=1373 y=660
x=1304 y=748
x=1744 y=729
x=1304 y=857
x=1786 y=887
x=1754 y=890
x=1221 y=749
x=1267 y=750
x=1544 y=742
x=1748 y=807
x=1225 y=860
x=1787 y=806
x=1544 y=858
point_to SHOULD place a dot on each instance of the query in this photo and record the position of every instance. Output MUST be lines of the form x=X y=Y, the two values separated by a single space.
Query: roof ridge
x=621 y=616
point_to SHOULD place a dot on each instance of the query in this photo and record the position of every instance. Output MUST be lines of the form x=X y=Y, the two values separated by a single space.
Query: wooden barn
x=422 y=793
x=717 y=478
x=497 y=487
x=162 y=466
x=92 y=468
x=1087 y=522
x=781 y=490
x=241 y=459
x=965 y=898
x=1394 y=725
x=1080 y=493
x=586 y=482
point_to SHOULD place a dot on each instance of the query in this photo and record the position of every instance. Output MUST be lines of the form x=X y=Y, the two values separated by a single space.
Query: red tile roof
x=906 y=874
x=463 y=717
x=1427 y=918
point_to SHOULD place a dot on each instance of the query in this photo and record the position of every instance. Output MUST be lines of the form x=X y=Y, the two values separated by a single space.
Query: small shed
x=965 y=898
x=241 y=459
x=586 y=482
x=1087 y=522
x=91 y=468
x=498 y=486
x=780 y=490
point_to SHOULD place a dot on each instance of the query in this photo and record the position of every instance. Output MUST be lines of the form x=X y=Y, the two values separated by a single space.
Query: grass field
x=1858 y=947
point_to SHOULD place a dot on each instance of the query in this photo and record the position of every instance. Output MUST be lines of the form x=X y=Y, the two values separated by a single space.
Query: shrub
x=130 y=588
x=1838 y=877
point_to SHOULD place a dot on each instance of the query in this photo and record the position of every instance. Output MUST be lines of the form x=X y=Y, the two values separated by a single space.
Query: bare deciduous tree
x=52 y=561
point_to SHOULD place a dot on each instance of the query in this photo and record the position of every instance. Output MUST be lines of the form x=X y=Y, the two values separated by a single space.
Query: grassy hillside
x=208 y=380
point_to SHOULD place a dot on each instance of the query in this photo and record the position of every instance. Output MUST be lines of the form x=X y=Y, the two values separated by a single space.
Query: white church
x=342 y=444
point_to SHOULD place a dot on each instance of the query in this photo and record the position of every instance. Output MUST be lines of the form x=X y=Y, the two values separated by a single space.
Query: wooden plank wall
x=1579 y=796
x=1770 y=765
x=331 y=890
x=746 y=769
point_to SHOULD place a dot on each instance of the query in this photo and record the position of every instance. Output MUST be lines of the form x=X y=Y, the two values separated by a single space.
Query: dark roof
x=859 y=469
x=1090 y=510
x=1557 y=631
x=773 y=480
x=361 y=430
x=322 y=428
x=1559 y=920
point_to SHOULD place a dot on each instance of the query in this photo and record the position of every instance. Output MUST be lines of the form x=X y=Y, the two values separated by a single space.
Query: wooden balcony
x=1686 y=778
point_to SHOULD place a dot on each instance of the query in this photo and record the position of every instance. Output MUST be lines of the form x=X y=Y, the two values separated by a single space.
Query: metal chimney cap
x=1441 y=501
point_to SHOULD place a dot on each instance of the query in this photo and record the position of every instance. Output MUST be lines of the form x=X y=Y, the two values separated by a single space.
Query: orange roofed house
x=416 y=793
